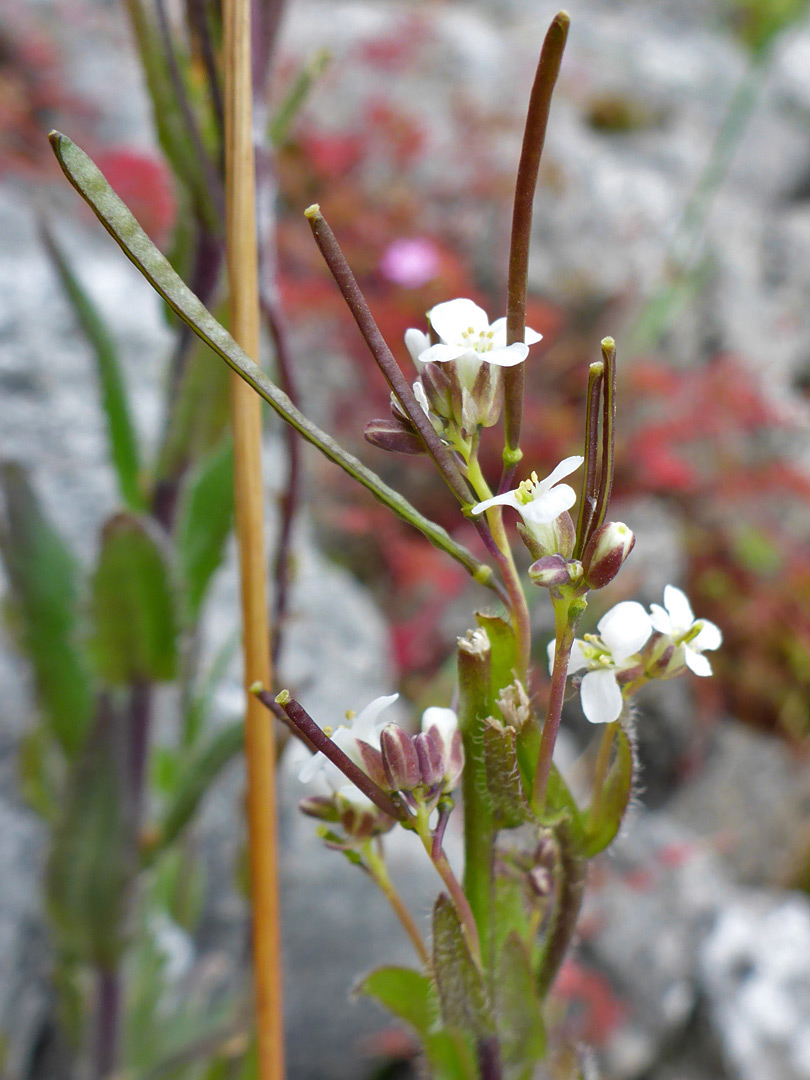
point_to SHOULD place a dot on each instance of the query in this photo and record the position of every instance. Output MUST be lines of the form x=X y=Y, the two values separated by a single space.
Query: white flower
x=539 y=502
x=676 y=621
x=366 y=726
x=466 y=336
x=444 y=720
x=622 y=632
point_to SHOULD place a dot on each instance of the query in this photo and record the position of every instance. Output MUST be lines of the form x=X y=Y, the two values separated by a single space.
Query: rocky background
x=694 y=958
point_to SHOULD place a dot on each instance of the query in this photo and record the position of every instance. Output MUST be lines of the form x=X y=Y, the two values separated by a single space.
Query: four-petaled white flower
x=366 y=727
x=539 y=502
x=622 y=632
x=676 y=621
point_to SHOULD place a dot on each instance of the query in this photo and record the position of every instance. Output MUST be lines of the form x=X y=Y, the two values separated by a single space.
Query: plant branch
x=122 y=226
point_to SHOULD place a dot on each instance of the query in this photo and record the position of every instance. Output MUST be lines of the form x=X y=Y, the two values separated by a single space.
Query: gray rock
x=756 y=979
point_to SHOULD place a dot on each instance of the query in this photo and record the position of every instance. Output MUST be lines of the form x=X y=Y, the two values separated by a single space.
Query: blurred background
x=673 y=212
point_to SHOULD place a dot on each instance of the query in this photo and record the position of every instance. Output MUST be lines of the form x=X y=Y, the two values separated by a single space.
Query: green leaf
x=123 y=440
x=462 y=994
x=451 y=1056
x=603 y=819
x=43 y=580
x=204 y=524
x=122 y=226
x=509 y=803
x=279 y=126
x=517 y=1008
x=406 y=993
x=195 y=780
x=91 y=865
x=132 y=605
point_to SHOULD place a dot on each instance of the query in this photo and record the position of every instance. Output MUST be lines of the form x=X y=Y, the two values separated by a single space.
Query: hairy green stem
x=122 y=226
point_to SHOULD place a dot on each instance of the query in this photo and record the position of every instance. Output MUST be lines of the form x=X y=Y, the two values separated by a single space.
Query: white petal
x=549 y=505
x=551 y=649
x=710 y=637
x=565 y=468
x=452 y=318
x=660 y=619
x=601 y=697
x=509 y=498
x=696 y=663
x=445 y=720
x=441 y=354
x=577 y=660
x=498 y=329
x=677 y=604
x=624 y=629
x=311 y=768
x=508 y=356
x=364 y=724
x=421 y=397
x=355 y=797
x=416 y=343
x=532 y=337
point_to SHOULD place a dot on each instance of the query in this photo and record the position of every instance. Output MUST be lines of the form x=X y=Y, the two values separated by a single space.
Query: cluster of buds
x=633 y=646
x=460 y=383
x=420 y=769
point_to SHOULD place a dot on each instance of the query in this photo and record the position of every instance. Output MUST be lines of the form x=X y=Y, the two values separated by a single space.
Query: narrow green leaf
x=43 y=579
x=134 y=634
x=604 y=818
x=122 y=226
x=517 y=1008
x=91 y=865
x=197 y=777
x=204 y=523
x=406 y=993
x=124 y=451
x=281 y=122
x=509 y=803
x=462 y=994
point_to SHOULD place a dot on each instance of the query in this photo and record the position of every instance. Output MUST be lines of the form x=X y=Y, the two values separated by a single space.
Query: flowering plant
x=501 y=930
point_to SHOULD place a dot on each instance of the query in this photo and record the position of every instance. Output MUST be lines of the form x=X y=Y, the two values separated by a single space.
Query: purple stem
x=588 y=496
x=108 y=1016
x=608 y=432
x=138 y=728
x=489 y=1058
x=300 y=719
x=265 y=20
x=213 y=179
x=198 y=22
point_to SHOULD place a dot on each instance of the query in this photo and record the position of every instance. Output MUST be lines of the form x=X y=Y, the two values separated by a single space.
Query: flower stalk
x=378 y=872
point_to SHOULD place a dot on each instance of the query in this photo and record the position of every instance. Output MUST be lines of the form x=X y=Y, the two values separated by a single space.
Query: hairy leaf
x=604 y=817
x=517 y=1007
x=408 y=994
x=462 y=994
x=510 y=805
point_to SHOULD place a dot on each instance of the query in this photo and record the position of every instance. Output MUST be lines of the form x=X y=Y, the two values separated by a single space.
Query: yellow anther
x=328 y=730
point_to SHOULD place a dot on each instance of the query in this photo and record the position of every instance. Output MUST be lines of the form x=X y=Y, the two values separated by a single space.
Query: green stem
x=122 y=226
x=521 y=623
x=445 y=871
x=378 y=871
x=567 y=613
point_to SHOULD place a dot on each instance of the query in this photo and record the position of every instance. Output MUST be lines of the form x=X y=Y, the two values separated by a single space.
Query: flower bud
x=552 y=571
x=319 y=806
x=429 y=750
x=513 y=702
x=372 y=763
x=541 y=881
x=438 y=389
x=360 y=821
x=556 y=538
x=440 y=748
x=400 y=759
x=395 y=436
x=605 y=553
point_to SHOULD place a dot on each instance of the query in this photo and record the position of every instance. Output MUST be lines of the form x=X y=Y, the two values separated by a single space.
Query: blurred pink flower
x=410 y=263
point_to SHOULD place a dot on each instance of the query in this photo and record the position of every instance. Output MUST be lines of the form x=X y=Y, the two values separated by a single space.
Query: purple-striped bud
x=541 y=881
x=372 y=763
x=361 y=822
x=438 y=389
x=395 y=436
x=430 y=751
x=441 y=739
x=605 y=553
x=558 y=537
x=400 y=760
x=552 y=571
